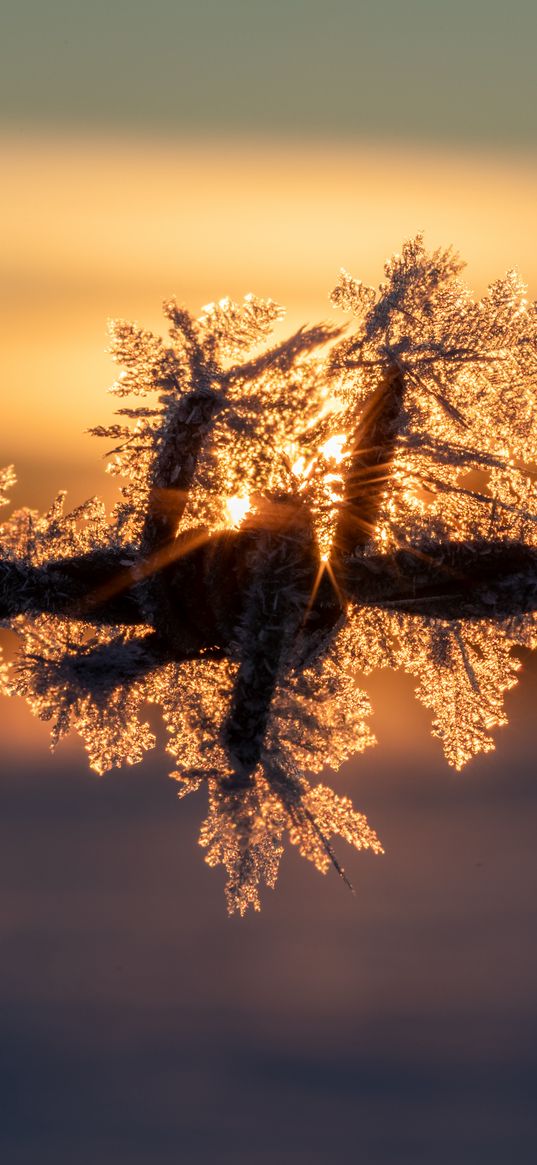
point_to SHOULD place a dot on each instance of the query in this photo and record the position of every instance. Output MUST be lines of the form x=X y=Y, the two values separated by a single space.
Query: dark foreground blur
x=141 y=1026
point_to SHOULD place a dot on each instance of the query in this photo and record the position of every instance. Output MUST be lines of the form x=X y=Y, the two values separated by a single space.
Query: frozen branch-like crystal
x=292 y=517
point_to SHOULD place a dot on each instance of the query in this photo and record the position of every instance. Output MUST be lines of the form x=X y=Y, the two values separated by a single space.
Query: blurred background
x=199 y=150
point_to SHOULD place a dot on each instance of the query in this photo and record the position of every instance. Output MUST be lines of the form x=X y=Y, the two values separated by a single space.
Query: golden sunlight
x=236 y=509
x=117 y=225
x=332 y=450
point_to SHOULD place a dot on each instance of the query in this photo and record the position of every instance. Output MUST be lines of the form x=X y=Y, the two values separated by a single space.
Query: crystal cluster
x=292 y=517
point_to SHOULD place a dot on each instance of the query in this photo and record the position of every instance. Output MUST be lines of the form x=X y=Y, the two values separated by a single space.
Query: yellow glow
x=116 y=227
x=302 y=468
x=237 y=509
x=332 y=449
x=298 y=466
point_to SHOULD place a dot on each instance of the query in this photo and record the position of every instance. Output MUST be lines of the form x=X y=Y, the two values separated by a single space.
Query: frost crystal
x=293 y=516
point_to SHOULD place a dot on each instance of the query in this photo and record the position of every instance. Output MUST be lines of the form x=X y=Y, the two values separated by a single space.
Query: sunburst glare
x=292 y=519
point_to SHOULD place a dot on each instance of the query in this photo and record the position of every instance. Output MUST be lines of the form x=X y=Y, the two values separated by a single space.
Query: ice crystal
x=291 y=518
x=7 y=480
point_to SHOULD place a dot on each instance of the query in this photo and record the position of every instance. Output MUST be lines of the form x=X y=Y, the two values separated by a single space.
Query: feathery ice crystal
x=293 y=516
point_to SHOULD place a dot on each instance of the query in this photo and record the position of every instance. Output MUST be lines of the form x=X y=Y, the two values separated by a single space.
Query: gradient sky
x=201 y=149
x=219 y=147
x=99 y=225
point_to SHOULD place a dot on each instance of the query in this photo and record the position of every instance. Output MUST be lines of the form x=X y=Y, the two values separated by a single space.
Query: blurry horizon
x=98 y=227
x=208 y=149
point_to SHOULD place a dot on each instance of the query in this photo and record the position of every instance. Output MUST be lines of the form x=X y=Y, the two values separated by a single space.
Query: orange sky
x=93 y=228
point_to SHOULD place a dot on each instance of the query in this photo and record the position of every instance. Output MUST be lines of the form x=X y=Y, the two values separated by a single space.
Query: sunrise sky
x=217 y=148
x=202 y=149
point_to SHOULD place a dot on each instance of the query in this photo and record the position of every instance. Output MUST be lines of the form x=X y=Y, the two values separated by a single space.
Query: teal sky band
x=418 y=70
